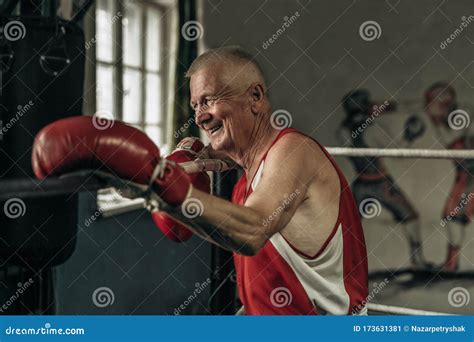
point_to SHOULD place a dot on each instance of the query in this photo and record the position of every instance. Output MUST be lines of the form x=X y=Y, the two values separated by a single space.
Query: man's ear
x=257 y=93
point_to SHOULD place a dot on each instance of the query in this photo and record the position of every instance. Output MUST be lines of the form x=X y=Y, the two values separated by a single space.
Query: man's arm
x=289 y=168
x=75 y=143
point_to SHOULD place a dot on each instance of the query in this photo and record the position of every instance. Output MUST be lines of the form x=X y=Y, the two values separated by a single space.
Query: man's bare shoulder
x=305 y=154
x=299 y=146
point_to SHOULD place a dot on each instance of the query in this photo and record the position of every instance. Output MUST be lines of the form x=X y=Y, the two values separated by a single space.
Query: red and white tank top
x=279 y=280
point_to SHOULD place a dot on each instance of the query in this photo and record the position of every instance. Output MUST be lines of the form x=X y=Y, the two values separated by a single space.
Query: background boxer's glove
x=85 y=142
x=414 y=128
x=187 y=150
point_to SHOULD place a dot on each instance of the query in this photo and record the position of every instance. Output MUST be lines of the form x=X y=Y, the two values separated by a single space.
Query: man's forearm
x=202 y=228
x=231 y=226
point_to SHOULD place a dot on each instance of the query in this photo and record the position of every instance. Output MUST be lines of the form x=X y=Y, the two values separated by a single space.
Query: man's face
x=222 y=112
x=442 y=104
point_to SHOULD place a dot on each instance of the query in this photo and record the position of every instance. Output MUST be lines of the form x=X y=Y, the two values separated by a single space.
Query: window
x=129 y=69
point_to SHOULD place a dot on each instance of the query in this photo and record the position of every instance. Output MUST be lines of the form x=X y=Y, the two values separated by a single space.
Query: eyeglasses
x=206 y=103
x=210 y=101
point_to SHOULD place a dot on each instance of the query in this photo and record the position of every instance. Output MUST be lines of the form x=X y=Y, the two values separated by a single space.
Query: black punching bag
x=42 y=73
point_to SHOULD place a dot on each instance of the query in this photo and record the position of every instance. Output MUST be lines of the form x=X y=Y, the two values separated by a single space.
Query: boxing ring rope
x=214 y=165
x=396 y=310
x=219 y=165
x=400 y=153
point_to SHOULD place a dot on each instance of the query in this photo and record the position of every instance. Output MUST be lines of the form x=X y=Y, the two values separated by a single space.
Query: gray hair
x=229 y=55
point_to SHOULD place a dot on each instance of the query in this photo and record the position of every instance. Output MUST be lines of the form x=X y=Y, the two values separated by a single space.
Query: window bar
x=143 y=74
x=90 y=80
x=162 y=70
x=117 y=31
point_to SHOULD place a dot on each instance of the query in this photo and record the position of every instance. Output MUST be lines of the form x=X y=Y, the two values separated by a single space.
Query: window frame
x=119 y=67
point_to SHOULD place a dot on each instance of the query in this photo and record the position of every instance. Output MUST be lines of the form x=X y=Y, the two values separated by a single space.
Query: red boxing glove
x=171 y=228
x=85 y=142
x=187 y=150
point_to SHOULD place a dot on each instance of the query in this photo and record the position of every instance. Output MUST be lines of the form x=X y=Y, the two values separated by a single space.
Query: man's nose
x=202 y=116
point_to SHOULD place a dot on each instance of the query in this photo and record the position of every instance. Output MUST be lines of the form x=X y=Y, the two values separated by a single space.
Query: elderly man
x=293 y=225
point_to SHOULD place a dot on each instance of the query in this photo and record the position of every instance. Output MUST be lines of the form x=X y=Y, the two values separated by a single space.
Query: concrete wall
x=321 y=56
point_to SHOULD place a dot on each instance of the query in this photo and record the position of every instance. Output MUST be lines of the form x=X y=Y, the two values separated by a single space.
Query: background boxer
x=440 y=101
x=293 y=225
x=373 y=180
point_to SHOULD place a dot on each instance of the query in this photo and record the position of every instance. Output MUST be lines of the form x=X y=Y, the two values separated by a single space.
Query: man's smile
x=214 y=129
